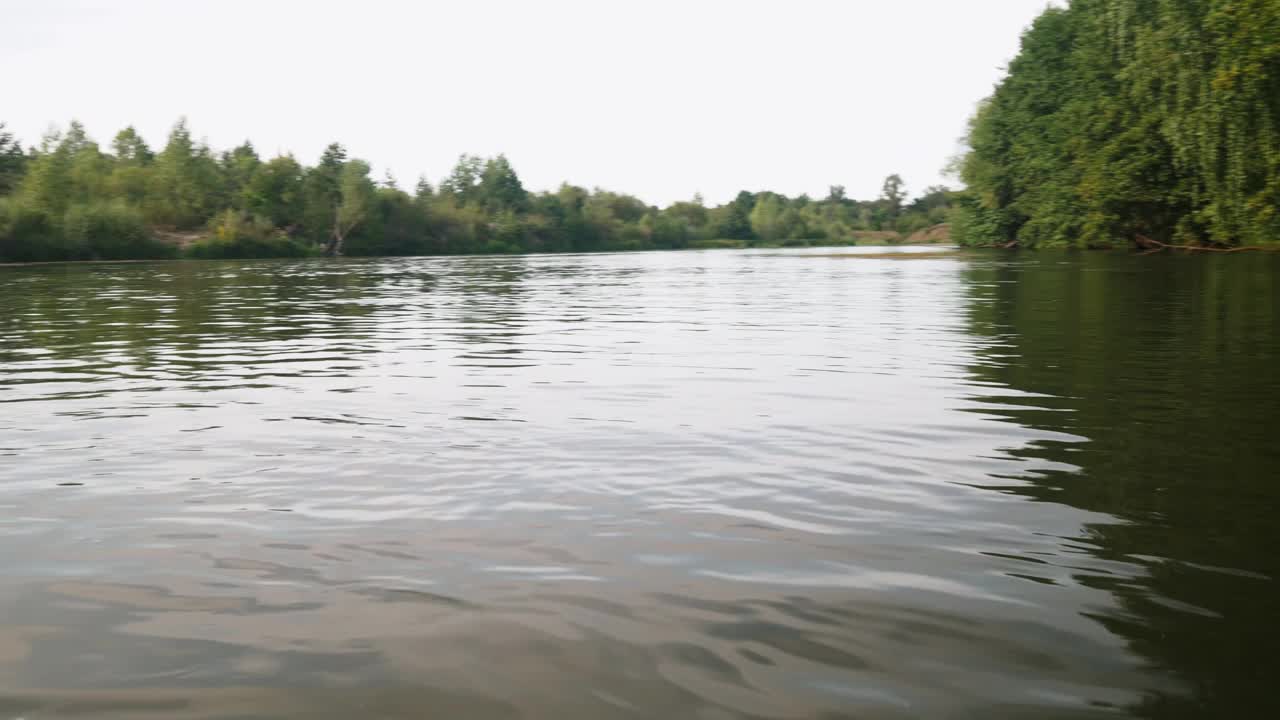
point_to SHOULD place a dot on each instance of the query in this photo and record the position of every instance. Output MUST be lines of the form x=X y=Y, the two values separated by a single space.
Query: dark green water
x=723 y=484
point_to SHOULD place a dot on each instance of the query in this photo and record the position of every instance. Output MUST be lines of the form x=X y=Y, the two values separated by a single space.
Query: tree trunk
x=334 y=246
x=1151 y=245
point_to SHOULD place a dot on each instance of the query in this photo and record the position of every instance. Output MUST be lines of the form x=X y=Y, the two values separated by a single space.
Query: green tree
x=499 y=187
x=275 y=192
x=892 y=194
x=733 y=221
x=766 y=218
x=692 y=214
x=90 y=168
x=423 y=191
x=322 y=193
x=355 y=198
x=238 y=169
x=47 y=186
x=12 y=162
x=74 y=201
x=132 y=167
x=130 y=149
x=185 y=185
x=1121 y=120
x=69 y=169
x=463 y=182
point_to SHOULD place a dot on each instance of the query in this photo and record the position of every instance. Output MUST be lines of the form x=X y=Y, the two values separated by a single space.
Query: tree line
x=68 y=198
x=1124 y=122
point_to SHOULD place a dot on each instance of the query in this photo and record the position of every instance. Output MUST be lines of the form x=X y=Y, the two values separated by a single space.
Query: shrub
x=111 y=231
x=716 y=243
x=239 y=235
x=28 y=235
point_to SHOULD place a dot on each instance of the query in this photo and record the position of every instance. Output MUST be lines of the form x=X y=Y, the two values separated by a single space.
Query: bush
x=975 y=225
x=28 y=235
x=239 y=235
x=499 y=247
x=96 y=231
x=716 y=243
x=111 y=231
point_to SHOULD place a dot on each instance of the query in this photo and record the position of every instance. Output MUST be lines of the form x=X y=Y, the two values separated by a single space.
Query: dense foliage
x=1129 y=119
x=70 y=199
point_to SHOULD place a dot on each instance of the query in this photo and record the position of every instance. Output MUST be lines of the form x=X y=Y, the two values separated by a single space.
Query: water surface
x=721 y=484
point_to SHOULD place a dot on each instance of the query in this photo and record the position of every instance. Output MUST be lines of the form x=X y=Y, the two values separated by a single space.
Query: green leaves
x=186 y=182
x=12 y=162
x=71 y=197
x=1128 y=117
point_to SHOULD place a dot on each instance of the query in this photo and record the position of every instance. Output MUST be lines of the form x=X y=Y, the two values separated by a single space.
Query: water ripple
x=711 y=484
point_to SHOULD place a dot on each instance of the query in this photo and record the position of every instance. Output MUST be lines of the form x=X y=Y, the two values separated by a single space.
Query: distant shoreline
x=728 y=245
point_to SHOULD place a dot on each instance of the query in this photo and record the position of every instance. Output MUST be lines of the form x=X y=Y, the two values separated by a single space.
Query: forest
x=1123 y=123
x=67 y=198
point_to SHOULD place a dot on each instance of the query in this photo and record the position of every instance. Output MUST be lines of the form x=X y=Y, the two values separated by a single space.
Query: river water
x=719 y=484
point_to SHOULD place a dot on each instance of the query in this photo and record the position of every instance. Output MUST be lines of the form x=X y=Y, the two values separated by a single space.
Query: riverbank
x=196 y=246
x=187 y=200
x=946 y=251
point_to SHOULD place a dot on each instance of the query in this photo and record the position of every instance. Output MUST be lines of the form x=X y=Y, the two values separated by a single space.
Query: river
x=711 y=484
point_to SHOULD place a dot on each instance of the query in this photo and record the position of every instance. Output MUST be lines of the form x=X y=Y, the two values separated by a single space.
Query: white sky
x=657 y=98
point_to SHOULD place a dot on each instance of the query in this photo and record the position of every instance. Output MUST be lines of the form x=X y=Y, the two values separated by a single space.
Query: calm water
x=720 y=484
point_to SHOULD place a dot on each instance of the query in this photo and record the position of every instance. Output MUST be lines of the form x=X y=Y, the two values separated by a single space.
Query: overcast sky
x=659 y=99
